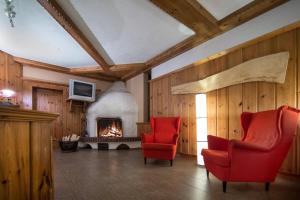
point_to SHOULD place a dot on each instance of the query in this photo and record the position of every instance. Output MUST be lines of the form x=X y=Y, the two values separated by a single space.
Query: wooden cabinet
x=143 y=127
x=25 y=154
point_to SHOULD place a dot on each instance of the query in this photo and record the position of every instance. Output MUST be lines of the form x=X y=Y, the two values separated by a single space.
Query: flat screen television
x=80 y=90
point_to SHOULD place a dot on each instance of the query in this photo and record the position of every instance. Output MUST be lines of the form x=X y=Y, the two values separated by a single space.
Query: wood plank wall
x=11 y=76
x=224 y=106
x=72 y=120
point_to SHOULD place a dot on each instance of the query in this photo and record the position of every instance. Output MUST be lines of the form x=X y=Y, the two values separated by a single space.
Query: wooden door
x=49 y=100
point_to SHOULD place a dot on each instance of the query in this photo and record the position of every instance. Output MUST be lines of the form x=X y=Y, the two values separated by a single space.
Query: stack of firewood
x=72 y=138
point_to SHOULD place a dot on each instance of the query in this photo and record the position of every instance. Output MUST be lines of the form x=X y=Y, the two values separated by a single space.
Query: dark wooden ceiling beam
x=248 y=12
x=60 y=69
x=113 y=68
x=240 y=16
x=191 y=14
x=65 y=21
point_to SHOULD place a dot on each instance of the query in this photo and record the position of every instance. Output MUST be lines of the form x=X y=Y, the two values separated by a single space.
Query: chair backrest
x=164 y=128
x=267 y=128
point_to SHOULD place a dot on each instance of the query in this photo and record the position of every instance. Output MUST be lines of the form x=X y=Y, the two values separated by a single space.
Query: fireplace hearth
x=109 y=127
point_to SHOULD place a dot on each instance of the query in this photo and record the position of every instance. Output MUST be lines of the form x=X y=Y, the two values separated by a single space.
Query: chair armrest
x=175 y=139
x=236 y=144
x=217 y=143
x=147 y=137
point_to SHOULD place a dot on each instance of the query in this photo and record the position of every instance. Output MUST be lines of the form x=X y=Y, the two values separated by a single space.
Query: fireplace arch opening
x=109 y=127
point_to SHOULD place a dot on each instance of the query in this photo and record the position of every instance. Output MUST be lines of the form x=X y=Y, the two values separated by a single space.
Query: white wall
x=281 y=16
x=136 y=88
x=56 y=77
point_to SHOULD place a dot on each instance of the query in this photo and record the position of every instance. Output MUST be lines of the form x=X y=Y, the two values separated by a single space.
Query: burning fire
x=111 y=131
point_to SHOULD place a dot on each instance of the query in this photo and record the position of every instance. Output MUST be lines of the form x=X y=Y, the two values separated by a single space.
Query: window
x=201 y=116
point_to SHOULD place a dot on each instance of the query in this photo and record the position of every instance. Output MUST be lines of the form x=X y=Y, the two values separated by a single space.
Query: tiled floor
x=122 y=175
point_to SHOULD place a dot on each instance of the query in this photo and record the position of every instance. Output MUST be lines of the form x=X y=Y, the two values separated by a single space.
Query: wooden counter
x=25 y=154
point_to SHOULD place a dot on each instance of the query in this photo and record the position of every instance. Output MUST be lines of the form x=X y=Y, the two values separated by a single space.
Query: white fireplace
x=115 y=103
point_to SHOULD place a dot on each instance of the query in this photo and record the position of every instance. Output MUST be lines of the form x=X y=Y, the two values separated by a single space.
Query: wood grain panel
x=165 y=96
x=286 y=93
x=41 y=172
x=211 y=99
x=49 y=100
x=143 y=128
x=10 y=75
x=266 y=91
x=192 y=125
x=185 y=124
x=250 y=89
x=235 y=98
x=14 y=159
x=222 y=102
x=297 y=138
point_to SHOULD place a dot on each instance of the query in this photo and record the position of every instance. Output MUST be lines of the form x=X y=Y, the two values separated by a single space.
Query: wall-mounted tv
x=80 y=90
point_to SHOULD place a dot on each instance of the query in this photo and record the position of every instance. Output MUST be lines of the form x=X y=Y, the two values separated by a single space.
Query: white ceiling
x=39 y=37
x=221 y=8
x=124 y=31
x=130 y=31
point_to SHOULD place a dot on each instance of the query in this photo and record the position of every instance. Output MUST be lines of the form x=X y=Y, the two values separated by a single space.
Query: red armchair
x=258 y=156
x=162 y=142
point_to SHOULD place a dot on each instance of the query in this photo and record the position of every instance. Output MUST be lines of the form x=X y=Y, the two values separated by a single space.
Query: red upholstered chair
x=258 y=156
x=161 y=143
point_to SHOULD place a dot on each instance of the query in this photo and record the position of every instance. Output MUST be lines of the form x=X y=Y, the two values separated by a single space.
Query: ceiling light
x=9 y=11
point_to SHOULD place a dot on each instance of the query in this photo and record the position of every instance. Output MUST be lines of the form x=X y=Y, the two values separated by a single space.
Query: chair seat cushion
x=217 y=157
x=159 y=146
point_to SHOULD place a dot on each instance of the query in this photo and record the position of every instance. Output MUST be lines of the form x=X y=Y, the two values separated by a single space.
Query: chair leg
x=145 y=160
x=171 y=163
x=267 y=186
x=207 y=173
x=224 y=186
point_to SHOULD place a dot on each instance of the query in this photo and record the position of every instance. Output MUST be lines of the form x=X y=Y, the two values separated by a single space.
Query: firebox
x=109 y=127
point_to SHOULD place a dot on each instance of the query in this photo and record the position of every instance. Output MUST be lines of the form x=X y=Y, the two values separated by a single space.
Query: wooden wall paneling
x=183 y=111
x=74 y=122
x=165 y=96
x=15 y=73
x=171 y=97
x=15 y=174
x=41 y=172
x=71 y=121
x=189 y=113
x=143 y=128
x=151 y=99
x=192 y=125
x=49 y=100
x=159 y=98
x=10 y=75
x=185 y=124
x=266 y=91
x=175 y=107
x=235 y=99
x=211 y=100
x=2 y=69
x=222 y=102
x=191 y=74
x=250 y=89
x=297 y=138
x=286 y=93
x=154 y=100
